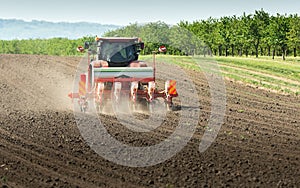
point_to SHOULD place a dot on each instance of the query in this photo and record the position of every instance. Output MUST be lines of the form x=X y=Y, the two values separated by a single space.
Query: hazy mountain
x=19 y=29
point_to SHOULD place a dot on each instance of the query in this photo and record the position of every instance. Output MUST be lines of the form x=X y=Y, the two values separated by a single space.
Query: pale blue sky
x=123 y=12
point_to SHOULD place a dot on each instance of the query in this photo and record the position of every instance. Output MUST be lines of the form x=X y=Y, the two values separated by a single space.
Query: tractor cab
x=118 y=52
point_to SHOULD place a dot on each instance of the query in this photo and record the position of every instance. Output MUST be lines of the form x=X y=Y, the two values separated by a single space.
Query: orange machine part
x=82 y=85
x=172 y=87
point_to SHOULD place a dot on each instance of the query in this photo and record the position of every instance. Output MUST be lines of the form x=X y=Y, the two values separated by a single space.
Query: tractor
x=115 y=74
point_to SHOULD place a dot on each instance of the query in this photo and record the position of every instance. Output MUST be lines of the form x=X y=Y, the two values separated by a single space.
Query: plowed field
x=41 y=146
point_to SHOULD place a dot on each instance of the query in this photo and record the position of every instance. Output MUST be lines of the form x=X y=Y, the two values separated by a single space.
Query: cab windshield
x=117 y=53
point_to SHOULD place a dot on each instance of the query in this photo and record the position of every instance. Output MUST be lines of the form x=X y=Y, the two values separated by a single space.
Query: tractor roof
x=119 y=39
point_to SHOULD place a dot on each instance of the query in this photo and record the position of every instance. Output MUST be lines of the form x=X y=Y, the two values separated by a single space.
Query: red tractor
x=115 y=74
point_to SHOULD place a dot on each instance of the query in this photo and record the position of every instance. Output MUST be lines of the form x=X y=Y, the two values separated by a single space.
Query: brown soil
x=40 y=144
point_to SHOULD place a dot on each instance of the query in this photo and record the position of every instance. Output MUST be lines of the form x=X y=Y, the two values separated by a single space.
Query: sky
x=124 y=12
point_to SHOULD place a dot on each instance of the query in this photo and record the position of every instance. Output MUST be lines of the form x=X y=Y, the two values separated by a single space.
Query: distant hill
x=19 y=29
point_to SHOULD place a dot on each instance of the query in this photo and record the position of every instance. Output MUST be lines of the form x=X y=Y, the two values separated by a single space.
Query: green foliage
x=55 y=46
x=293 y=35
x=256 y=34
x=178 y=40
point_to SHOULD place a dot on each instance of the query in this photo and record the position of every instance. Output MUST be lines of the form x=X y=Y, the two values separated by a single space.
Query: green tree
x=293 y=35
x=258 y=24
x=278 y=30
x=244 y=36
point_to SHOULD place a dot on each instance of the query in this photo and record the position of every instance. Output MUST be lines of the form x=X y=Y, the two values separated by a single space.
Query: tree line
x=153 y=34
x=54 y=46
x=256 y=34
x=178 y=40
x=253 y=34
